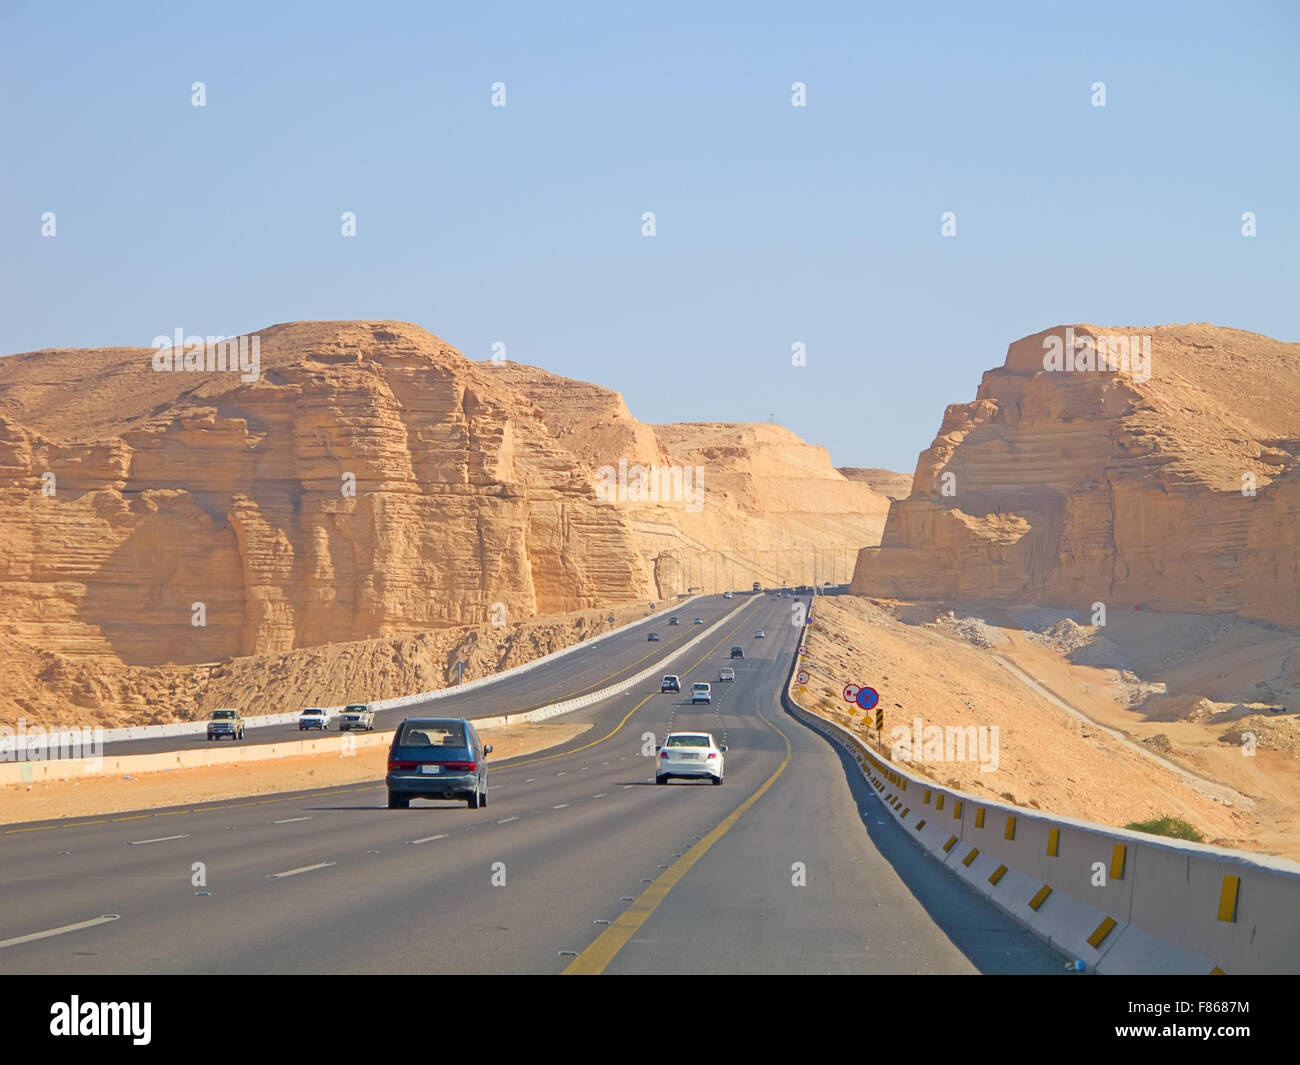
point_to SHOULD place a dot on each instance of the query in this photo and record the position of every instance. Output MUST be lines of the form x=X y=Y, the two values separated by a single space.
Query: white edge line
x=304 y=869
x=102 y=919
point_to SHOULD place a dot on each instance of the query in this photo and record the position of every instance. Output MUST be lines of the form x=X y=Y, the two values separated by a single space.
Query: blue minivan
x=437 y=758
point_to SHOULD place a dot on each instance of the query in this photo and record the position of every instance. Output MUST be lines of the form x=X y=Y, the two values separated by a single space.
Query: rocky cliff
x=1162 y=472
x=365 y=480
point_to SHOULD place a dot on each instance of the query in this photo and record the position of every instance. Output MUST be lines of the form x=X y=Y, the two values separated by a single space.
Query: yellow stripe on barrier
x=956 y=808
x=920 y=825
x=952 y=842
x=1228 y=899
x=938 y=803
x=998 y=874
x=1053 y=842
x=1117 y=857
x=1011 y=829
x=1101 y=932
x=1216 y=971
x=1040 y=898
x=974 y=853
x=906 y=810
x=979 y=818
x=927 y=795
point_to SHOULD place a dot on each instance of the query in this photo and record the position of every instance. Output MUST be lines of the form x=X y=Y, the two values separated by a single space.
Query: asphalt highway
x=579 y=862
x=589 y=668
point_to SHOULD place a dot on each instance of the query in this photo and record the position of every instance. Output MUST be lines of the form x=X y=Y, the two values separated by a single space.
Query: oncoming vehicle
x=760 y=635
x=689 y=754
x=726 y=673
x=652 y=637
x=701 y=693
x=314 y=717
x=437 y=758
x=726 y=595
x=358 y=715
x=670 y=683
x=225 y=723
x=673 y=620
x=699 y=621
x=737 y=652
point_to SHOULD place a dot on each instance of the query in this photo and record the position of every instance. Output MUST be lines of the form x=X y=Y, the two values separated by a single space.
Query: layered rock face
x=367 y=481
x=1169 y=484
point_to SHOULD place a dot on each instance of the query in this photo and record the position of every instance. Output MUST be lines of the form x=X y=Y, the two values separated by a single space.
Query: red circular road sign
x=851 y=692
x=803 y=650
x=803 y=676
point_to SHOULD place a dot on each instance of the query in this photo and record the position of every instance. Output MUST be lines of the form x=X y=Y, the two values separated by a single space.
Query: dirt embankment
x=944 y=671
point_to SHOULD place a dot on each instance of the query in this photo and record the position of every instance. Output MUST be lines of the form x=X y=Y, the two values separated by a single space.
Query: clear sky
x=775 y=224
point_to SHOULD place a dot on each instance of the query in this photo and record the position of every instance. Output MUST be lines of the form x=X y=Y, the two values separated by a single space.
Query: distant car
x=314 y=717
x=673 y=620
x=726 y=673
x=699 y=621
x=357 y=716
x=701 y=693
x=737 y=652
x=670 y=683
x=689 y=754
x=726 y=595
x=225 y=723
x=437 y=758
x=652 y=637
x=760 y=635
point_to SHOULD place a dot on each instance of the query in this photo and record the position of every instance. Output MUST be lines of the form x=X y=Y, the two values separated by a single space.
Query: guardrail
x=190 y=728
x=66 y=768
x=1117 y=900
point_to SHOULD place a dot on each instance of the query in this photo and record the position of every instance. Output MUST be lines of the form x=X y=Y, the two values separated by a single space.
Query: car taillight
x=460 y=767
x=401 y=765
x=712 y=754
x=663 y=754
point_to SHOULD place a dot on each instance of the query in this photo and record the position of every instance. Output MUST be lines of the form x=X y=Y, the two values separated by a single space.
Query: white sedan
x=689 y=754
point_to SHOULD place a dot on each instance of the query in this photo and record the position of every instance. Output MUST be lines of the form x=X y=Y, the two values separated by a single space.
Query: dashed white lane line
x=507 y=820
x=295 y=872
x=599 y=795
x=560 y=807
x=530 y=780
x=290 y=820
x=101 y=919
x=160 y=839
x=428 y=839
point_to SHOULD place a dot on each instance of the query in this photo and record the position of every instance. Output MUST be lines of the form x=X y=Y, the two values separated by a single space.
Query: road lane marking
x=428 y=839
x=133 y=817
x=102 y=919
x=290 y=820
x=295 y=872
x=160 y=839
x=560 y=807
x=507 y=820
x=594 y=960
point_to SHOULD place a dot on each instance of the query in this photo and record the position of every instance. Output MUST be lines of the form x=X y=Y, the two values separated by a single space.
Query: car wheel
x=717 y=781
x=398 y=802
x=472 y=801
x=483 y=797
x=661 y=780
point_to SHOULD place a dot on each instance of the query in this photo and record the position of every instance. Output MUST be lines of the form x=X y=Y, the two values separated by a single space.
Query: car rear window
x=688 y=741
x=432 y=734
x=358 y=708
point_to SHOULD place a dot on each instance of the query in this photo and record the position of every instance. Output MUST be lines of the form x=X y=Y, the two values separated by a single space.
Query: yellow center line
x=602 y=951
x=132 y=817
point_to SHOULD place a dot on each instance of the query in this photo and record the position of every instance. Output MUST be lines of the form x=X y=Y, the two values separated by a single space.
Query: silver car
x=357 y=716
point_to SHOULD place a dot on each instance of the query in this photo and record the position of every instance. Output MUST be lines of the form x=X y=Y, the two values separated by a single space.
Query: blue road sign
x=867 y=698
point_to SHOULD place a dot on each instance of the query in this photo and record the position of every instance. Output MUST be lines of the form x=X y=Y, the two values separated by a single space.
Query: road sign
x=851 y=693
x=803 y=650
x=803 y=676
x=867 y=698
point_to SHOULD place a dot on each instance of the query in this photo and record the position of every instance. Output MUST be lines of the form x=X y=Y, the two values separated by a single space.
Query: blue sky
x=775 y=224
